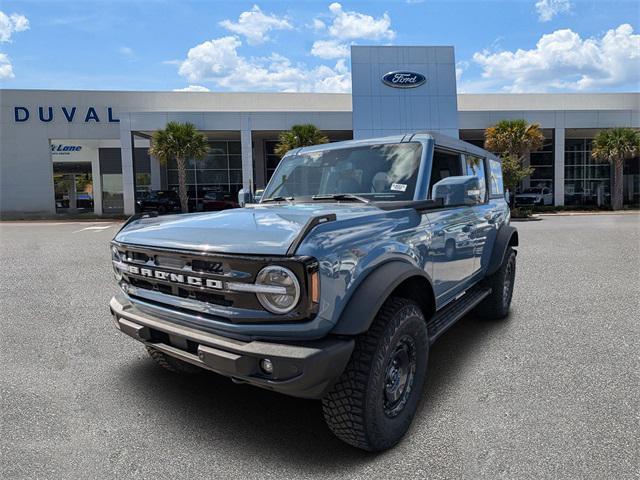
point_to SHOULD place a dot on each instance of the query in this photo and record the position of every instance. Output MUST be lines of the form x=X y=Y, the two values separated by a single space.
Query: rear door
x=483 y=215
x=452 y=229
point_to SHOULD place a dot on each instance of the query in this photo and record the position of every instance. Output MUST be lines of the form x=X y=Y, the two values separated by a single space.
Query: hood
x=258 y=229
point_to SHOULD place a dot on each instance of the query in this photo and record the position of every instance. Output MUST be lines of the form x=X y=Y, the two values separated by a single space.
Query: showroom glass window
x=631 y=180
x=219 y=171
x=586 y=180
x=271 y=158
x=542 y=163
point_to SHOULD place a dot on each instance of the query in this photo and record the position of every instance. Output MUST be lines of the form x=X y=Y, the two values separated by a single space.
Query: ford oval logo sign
x=403 y=79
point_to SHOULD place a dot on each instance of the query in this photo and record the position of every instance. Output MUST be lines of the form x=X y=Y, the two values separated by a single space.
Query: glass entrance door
x=73 y=187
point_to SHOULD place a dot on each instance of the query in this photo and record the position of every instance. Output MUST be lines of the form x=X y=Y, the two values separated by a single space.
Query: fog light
x=266 y=366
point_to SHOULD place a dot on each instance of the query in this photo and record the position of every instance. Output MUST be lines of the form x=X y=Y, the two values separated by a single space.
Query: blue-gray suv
x=359 y=255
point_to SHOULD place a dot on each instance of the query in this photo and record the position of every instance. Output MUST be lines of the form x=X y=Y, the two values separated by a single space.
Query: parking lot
x=552 y=392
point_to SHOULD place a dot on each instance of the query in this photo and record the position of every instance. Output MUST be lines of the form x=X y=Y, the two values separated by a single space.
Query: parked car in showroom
x=257 y=195
x=161 y=201
x=334 y=286
x=535 y=196
x=216 y=201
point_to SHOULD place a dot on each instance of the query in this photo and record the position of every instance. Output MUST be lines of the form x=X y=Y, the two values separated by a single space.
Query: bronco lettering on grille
x=175 y=277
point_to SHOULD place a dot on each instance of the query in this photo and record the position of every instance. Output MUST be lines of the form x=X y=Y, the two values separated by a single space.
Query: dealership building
x=77 y=151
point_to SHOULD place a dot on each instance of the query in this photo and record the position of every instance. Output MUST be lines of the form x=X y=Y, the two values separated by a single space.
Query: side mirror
x=244 y=197
x=458 y=191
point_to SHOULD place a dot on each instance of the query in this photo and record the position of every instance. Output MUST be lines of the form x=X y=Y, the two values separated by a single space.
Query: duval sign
x=403 y=79
x=48 y=114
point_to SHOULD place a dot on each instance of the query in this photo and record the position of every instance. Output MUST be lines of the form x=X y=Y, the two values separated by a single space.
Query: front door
x=73 y=187
x=452 y=250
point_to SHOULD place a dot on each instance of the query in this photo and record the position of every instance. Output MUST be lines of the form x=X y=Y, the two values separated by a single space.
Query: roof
x=439 y=139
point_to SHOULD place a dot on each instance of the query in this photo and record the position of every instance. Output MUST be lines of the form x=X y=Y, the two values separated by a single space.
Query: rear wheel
x=373 y=403
x=172 y=364
x=496 y=305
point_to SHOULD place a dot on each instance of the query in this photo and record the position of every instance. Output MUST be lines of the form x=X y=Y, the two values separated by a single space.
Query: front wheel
x=496 y=305
x=373 y=403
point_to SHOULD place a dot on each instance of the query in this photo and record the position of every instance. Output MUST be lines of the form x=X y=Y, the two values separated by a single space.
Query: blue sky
x=501 y=46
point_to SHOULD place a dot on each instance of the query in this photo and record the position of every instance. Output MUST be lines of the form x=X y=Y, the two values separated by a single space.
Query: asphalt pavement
x=552 y=392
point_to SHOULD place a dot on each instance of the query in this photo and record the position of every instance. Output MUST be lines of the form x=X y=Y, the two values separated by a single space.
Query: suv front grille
x=201 y=278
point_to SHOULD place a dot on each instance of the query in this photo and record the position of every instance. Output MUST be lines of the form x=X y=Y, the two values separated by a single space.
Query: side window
x=444 y=164
x=496 y=188
x=475 y=167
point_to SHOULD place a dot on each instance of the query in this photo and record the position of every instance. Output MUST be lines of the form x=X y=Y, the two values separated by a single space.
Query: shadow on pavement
x=274 y=426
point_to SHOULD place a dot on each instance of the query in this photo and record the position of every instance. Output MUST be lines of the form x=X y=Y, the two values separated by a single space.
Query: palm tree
x=513 y=140
x=616 y=146
x=179 y=141
x=299 y=136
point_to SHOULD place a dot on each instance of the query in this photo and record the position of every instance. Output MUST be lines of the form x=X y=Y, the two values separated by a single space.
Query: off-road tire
x=496 y=305
x=173 y=364
x=356 y=408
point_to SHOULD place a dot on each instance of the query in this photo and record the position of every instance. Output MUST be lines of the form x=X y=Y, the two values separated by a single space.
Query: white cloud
x=347 y=26
x=128 y=52
x=461 y=66
x=10 y=24
x=330 y=49
x=562 y=60
x=218 y=61
x=318 y=25
x=6 y=69
x=352 y=25
x=211 y=58
x=547 y=9
x=255 y=24
x=192 y=88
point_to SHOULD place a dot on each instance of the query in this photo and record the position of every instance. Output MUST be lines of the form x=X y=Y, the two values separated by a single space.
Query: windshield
x=377 y=172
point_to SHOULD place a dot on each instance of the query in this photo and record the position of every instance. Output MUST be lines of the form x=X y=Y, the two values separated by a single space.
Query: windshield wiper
x=276 y=199
x=341 y=196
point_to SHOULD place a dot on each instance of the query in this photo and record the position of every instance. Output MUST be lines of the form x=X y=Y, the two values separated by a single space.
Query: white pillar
x=156 y=182
x=247 y=153
x=558 y=167
x=97 y=183
x=126 y=149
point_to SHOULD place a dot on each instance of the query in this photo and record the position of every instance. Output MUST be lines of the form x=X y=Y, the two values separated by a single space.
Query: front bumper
x=300 y=369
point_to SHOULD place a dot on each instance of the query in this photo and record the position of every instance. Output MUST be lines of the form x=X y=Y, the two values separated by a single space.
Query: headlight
x=285 y=291
x=115 y=258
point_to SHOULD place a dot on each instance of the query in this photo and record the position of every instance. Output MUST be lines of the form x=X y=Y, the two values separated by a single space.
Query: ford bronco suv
x=359 y=255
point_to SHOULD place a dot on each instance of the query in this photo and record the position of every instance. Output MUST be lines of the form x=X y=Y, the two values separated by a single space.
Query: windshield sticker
x=398 y=187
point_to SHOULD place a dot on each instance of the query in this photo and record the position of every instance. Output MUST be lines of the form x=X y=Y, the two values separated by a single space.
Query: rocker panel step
x=454 y=311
